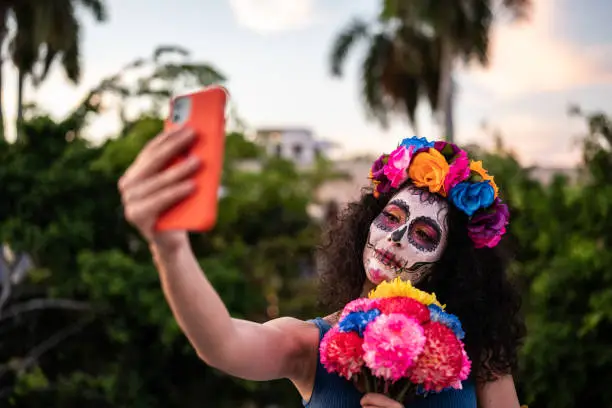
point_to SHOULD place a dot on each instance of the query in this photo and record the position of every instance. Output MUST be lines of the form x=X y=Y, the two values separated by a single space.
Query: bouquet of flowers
x=397 y=340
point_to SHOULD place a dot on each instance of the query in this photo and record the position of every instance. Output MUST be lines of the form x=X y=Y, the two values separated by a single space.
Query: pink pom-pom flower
x=392 y=344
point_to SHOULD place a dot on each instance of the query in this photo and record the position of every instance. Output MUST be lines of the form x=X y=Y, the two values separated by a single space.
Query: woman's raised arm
x=278 y=349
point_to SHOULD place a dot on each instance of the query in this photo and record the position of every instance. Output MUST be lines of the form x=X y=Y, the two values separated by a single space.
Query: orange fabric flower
x=429 y=169
x=476 y=166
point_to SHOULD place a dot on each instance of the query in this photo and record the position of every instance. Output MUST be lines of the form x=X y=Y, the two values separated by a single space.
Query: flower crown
x=445 y=169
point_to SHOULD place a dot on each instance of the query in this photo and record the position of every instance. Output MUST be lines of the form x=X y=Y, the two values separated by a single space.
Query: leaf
x=343 y=43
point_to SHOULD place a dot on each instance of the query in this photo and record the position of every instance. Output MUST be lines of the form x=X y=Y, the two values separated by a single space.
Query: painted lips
x=387 y=258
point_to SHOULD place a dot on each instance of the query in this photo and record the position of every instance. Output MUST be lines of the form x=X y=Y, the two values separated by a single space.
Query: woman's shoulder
x=293 y=326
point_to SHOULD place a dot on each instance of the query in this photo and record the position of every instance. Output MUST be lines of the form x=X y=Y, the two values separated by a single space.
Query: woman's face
x=407 y=237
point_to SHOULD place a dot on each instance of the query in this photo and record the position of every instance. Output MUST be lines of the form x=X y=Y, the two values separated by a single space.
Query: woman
x=406 y=226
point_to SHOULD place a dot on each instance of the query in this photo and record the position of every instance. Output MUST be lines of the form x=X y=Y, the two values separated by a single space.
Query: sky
x=275 y=54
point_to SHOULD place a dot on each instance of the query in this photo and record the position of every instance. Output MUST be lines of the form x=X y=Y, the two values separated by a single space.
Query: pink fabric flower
x=406 y=306
x=458 y=171
x=342 y=352
x=359 y=305
x=459 y=165
x=392 y=344
x=440 y=364
x=396 y=169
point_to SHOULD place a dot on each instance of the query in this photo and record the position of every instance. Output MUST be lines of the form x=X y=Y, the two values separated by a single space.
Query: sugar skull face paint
x=407 y=237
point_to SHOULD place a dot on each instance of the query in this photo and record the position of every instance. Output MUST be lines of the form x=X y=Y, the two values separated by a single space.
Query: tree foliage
x=562 y=237
x=89 y=326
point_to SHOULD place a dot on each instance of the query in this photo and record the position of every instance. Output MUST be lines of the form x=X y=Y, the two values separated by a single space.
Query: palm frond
x=356 y=30
x=519 y=9
x=163 y=50
x=204 y=74
x=390 y=10
x=471 y=32
x=409 y=50
x=24 y=46
x=409 y=96
x=47 y=60
x=97 y=7
x=431 y=50
x=372 y=72
x=71 y=59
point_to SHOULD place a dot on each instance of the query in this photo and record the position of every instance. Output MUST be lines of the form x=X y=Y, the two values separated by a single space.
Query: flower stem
x=402 y=394
x=369 y=380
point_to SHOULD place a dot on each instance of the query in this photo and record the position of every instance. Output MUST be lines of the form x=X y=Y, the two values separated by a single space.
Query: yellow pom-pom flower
x=400 y=288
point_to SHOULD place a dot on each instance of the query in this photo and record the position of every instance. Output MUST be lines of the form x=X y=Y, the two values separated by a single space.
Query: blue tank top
x=333 y=391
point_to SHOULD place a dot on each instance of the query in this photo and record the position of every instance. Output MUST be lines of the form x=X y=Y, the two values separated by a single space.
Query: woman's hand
x=148 y=188
x=379 y=401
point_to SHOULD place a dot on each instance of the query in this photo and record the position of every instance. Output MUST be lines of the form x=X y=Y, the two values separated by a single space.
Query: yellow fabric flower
x=429 y=169
x=476 y=166
x=400 y=288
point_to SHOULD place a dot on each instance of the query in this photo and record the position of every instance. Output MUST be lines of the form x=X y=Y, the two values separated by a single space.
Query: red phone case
x=198 y=212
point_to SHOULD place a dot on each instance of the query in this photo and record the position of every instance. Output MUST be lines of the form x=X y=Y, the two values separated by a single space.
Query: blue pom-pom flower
x=449 y=320
x=358 y=321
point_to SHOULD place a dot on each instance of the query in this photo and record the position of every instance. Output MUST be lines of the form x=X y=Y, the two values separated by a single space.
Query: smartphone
x=204 y=112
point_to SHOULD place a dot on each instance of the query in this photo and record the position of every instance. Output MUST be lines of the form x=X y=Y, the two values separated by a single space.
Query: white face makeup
x=407 y=237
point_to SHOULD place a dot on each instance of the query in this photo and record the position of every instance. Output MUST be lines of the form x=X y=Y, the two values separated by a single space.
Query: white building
x=296 y=144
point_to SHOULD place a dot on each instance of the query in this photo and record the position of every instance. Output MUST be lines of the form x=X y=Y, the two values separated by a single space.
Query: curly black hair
x=472 y=282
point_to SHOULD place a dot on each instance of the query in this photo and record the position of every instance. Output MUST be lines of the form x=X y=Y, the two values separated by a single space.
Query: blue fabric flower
x=358 y=321
x=417 y=142
x=471 y=197
x=449 y=320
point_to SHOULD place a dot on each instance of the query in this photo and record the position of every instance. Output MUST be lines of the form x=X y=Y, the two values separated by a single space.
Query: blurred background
x=319 y=89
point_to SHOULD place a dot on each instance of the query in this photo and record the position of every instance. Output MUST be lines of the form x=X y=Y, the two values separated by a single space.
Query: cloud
x=272 y=16
x=526 y=58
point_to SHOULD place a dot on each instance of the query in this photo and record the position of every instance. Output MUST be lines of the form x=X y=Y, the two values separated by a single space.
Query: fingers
x=379 y=401
x=150 y=207
x=156 y=156
x=160 y=181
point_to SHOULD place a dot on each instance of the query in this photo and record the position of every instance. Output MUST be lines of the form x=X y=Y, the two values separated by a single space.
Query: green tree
x=562 y=240
x=102 y=334
x=87 y=325
x=148 y=82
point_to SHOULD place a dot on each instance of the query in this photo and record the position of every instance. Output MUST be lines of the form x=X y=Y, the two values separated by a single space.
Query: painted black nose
x=397 y=235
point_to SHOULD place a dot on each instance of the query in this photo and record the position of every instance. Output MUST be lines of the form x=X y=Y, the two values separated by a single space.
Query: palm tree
x=47 y=31
x=424 y=40
x=400 y=66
